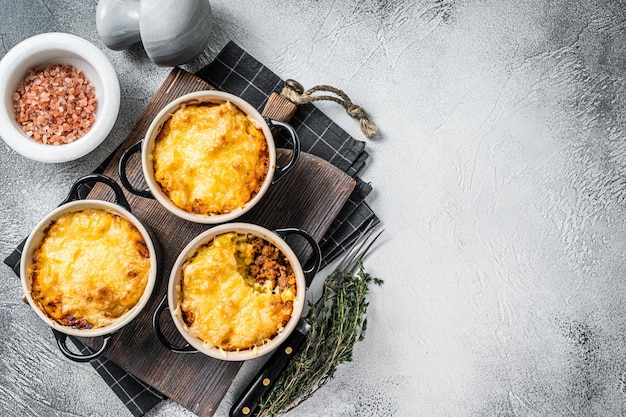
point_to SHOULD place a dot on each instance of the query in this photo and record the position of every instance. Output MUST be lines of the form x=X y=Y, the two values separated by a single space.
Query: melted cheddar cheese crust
x=91 y=267
x=210 y=158
x=237 y=292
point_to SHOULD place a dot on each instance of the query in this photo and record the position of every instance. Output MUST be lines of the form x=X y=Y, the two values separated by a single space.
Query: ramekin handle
x=74 y=193
x=156 y=325
x=280 y=172
x=313 y=264
x=122 y=171
x=80 y=357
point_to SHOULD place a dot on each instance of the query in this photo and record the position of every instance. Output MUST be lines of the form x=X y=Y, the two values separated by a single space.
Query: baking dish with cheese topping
x=236 y=291
x=89 y=267
x=209 y=157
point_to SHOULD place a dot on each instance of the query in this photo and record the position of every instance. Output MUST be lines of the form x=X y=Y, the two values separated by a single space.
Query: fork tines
x=359 y=249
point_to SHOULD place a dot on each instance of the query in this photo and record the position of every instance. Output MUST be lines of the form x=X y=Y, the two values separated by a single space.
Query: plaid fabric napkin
x=237 y=72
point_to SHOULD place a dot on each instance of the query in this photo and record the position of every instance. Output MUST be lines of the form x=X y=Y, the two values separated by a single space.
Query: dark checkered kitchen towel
x=237 y=72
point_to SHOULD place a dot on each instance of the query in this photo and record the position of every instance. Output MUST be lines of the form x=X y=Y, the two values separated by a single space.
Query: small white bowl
x=58 y=48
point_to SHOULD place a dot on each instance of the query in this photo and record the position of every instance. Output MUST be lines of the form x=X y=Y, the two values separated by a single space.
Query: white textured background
x=500 y=176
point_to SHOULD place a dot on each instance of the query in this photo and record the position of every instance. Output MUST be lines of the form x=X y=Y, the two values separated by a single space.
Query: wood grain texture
x=309 y=197
x=278 y=107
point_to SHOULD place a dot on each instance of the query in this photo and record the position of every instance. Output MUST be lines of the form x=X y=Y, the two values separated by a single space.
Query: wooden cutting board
x=309 y=197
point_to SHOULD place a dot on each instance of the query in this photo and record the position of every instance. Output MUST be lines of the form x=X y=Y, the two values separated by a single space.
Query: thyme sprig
x=338 y=323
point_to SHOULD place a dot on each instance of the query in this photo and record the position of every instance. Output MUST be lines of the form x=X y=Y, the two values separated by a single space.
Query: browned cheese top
x=210 y=158
x=90 y=269
x=237 y=292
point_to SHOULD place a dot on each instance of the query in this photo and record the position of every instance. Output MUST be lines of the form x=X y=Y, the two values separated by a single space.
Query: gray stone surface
x=500 y=175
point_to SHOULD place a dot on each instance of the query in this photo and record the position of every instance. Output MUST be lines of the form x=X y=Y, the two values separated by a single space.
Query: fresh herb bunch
x=339 y=323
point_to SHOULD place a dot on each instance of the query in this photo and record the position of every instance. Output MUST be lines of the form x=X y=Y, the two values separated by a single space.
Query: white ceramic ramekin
x=173 y=298
x=146 y=147
x=58 y=48
x=74 y=204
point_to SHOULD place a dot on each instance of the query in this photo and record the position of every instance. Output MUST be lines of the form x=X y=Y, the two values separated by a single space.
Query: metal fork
x=354 y=255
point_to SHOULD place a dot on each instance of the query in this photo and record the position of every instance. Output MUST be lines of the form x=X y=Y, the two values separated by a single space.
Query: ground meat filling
x=271 y=264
